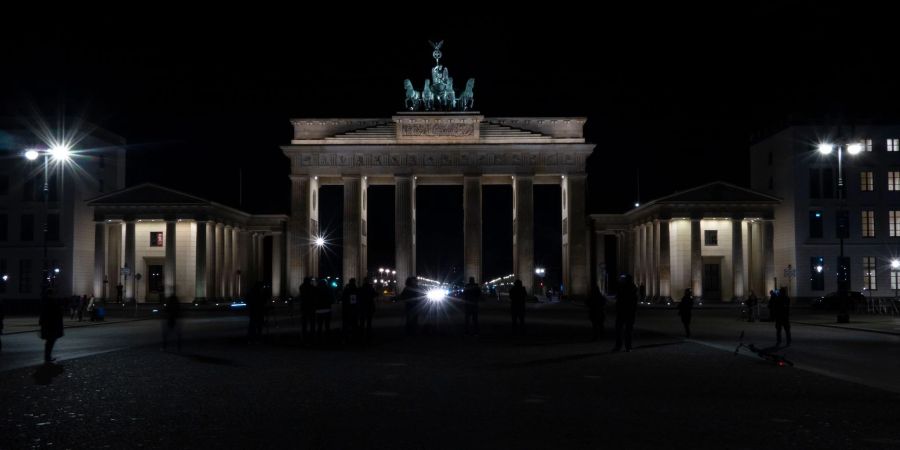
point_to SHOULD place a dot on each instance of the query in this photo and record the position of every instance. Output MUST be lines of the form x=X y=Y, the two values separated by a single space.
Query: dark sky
x=675 y=92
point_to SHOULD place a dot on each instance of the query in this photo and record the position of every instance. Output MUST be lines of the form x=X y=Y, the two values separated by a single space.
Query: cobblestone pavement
x=549 y=389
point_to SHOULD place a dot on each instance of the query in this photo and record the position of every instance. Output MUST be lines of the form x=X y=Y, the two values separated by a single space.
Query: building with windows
x=97 y=167
x=822 y=202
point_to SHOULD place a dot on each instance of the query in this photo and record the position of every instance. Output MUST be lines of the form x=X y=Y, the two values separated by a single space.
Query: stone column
x=696 y=259
x=768 y=231
x=169 y=269
x=665 y=261
x=220 y=260
x=472 y=230
x=600 y=270
x=302 y=254
x=352 y=226
x=227 y=270
x=577 y=278
x=99 y=258
x=259 y=257
x=621 y=258
x=635 y=248
x=244 y=257
x=115 y=258
x=654 y=258
x=645 y=260
x=235 y=262
x=130 y=290
x=523 y=231
x=404 y=234
x=276 y=264
x=737 y=258
x=212 y=260
x=200 y=278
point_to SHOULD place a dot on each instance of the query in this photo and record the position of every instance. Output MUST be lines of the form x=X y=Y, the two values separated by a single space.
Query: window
x=866 y=182
x=711 y=237
x=4 y=228
x=842 y=222
x=4 y=184
x=895 y=279
x=868 y=144
x=156 y=239
x=894 y=223
x=52 y=227
x=24 y=276
x=828 y=183
x=869 y=272
x=815 y=224
x=893 y=145
x=26 y=232
x=894 y=180
x=868 y=224
x=52 y=189
x=817 y=273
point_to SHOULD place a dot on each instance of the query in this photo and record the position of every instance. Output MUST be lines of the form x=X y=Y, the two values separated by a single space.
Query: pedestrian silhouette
x=366 y=309
x=172 y=324
x=471 y=298
x=119 y=293
x=349 y=307
x=324 y=299
x=685 y=308
x=780 y=310
x=308 y=302
x=51 y=321
x=411 y=299
x=517 y=297
x=82 y=306
x=596 y=304
x=626 y=309
x=752 y=301
x=256 y=309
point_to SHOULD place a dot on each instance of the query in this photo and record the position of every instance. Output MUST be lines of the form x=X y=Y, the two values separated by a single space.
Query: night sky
x=674 y=93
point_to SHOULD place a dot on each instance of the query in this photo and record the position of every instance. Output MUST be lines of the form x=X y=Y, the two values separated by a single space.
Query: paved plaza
x=114 y=388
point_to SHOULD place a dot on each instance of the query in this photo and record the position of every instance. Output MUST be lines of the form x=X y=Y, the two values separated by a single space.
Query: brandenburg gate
x=446 y=143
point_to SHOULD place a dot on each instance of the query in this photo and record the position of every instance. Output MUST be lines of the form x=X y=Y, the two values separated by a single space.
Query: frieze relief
x=446 y=159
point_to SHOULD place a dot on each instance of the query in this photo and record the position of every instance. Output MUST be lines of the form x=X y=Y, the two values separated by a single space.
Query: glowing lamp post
x=843 y=266
x=59 y=153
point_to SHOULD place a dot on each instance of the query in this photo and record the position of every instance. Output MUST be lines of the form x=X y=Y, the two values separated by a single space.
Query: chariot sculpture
x=439 y=93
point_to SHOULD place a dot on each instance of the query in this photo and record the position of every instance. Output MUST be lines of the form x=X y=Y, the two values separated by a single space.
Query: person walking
x=366 y=307
x=517 y=297
x=51 y=322
x=752 y=301
x=780 y=310
x=596 y=304
x=349 y=307
x=626 y=310
x=82 y=306
x=172 y=324
x=411 y=299
x=471 y=297
x=685 y=309
x=308 y=302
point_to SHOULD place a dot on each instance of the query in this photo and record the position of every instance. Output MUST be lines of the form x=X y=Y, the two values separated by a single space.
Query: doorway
x=712 y=281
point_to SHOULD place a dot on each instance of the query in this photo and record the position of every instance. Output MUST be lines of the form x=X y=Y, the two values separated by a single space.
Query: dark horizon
x=675 y=95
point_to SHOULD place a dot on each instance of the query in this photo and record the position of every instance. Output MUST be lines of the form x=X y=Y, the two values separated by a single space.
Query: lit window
x=893 y=145
x=869 y=281
x=866 y=182
x=894 y=223
x=817 y=273
x=895 y=279
x=868 y=144
x=868 y=224
x=894 y=180
x=711 y=237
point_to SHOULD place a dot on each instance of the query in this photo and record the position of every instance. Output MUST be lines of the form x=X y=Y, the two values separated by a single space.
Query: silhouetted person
x=172 y=323
x=82 y=306
x=517 y=297
x=119 y=293
x=366 y=307
x=780 y=309
x=471 y=297
x=256 y=309
x=411 y=299
x=596 y=304
x=349 y=309
x=308 y=302
x=752 y=301
x=685 y=309
x=51 y=322
x=626 y=309
x=324 y=300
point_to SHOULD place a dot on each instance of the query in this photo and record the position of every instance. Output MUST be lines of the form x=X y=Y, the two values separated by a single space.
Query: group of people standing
x=357 y=310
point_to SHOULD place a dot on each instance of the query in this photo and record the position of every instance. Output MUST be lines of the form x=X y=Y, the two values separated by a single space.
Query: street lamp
x=895 y=276
x=853 y=148
x=60 y=153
